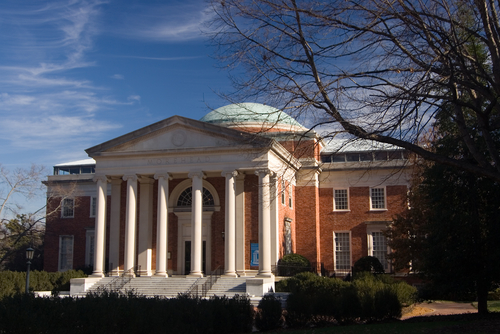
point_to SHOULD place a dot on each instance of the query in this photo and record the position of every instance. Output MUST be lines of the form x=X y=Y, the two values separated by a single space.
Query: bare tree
x=19 y=228
x=373 y=69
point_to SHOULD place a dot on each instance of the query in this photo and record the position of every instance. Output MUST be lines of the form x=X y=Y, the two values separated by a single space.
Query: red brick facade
x=305 y=217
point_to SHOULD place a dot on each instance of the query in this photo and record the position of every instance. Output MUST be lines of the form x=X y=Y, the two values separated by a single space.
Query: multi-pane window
x=377 y=198
x=186 y=198
x=93 y=205
x=379 y=248
x=290 y=195
x=65 y=252
x=342 y=251
x=341 y=199
x=67 y=209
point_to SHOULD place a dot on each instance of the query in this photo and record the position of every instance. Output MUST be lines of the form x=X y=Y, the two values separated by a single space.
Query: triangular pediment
x=178 y=133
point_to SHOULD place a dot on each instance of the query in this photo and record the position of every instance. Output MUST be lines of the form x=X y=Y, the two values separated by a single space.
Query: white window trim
x=63 y=206
x=348 y=200
x=377 y=228
x=59 y=268
x=89 y=260
x=93 y=199
x=346 y=271
x=385 y=199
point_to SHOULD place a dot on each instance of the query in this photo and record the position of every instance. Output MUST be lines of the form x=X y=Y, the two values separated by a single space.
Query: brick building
x=237 y=189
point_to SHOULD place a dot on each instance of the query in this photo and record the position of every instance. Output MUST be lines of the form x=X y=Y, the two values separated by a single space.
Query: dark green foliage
x=370 y=264
x=269 y=314
x=117 y=313
x=317 y=300
x=292 y=264
x=12 y=282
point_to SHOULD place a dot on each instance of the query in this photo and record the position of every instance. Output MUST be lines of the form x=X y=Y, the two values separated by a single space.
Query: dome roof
x=252 y=115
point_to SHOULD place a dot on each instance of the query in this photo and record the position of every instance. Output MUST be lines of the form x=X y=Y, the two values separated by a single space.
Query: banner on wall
x=254 y=255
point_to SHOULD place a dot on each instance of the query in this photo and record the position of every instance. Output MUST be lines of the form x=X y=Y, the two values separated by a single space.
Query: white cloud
x=172 y=22
x=118 y=77
x=134 y=98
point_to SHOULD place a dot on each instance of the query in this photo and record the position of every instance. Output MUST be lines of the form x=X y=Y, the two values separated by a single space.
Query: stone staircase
x=169 y=287
x=146 y=286
x=228 y=286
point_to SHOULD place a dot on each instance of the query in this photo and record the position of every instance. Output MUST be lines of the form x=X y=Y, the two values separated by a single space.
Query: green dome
x=254 y=113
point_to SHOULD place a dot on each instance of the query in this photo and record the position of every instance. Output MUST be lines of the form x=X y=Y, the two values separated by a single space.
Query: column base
x=97 y=274
x=160 y=274
x=195 y=274
x=265 y=274
x=230 y=274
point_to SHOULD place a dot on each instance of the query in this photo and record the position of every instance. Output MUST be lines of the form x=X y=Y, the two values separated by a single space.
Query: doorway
x=187 y=257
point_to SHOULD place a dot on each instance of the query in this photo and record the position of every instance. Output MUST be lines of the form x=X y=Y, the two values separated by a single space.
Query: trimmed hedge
x=13 y=282
x=115 y=313
x=317 y=300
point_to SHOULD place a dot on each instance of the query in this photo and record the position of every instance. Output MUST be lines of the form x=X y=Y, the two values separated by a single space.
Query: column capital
x=164 y=175
x=100 y=177
x=131 y=177
x=265 y=171
x=231 y=172
x=199 y=174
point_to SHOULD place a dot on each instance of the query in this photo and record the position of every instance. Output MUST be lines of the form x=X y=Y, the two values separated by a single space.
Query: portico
x=174 y=193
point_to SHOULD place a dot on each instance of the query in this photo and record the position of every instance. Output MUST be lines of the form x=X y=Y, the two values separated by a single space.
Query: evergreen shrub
x=292 y=264
x=269 y=313
x=13 y=282
x=369 y=297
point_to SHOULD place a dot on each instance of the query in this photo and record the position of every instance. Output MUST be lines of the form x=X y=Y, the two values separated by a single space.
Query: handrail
x=120 y=281
x=214 y=276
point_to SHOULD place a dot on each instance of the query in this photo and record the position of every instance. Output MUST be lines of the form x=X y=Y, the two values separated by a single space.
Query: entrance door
x=187 y=257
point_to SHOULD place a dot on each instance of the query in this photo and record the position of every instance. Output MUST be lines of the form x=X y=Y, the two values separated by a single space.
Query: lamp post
x=29 y=256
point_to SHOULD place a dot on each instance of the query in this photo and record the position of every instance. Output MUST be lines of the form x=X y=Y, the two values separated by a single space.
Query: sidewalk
x=439 y=308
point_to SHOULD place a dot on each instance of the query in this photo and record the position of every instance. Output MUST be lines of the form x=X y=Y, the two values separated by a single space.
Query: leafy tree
x=374 y=69
x=451 y=233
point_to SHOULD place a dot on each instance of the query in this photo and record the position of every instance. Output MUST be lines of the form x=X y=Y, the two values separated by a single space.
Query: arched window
x=186 y=198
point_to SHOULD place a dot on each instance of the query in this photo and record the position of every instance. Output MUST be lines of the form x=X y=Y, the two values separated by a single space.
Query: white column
x=130 y=221
x=230 y=228
x=162 y=225
x=275 y=235
x=100 y=226
x=264 y=225
x=114 y=227
x=196 y=224
x=145 y=233
x=240 y=224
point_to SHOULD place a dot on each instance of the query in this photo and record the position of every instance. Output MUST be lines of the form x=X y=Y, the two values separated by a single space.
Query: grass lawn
x=462 y=323
x=493 y=305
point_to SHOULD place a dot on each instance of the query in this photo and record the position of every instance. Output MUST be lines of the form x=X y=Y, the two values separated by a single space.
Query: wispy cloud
x=181 y=21
x=46 y=101
x=117 y=77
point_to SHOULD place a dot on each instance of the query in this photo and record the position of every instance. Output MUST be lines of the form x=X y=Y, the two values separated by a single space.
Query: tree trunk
x=482 y=297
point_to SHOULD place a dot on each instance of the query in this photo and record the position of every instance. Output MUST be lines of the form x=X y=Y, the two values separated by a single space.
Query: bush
x=368 y=263
x=13 y=282
x=269 y=313
x=124 y=313
x=292 y=264
x=315 y=300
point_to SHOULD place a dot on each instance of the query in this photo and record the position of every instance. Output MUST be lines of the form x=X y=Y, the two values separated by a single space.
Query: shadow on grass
x=458 y=323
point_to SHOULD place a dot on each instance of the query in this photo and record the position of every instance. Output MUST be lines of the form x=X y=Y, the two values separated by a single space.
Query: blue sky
x=76 y=73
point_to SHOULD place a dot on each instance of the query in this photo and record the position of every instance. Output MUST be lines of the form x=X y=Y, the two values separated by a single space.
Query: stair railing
x=212 y=279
